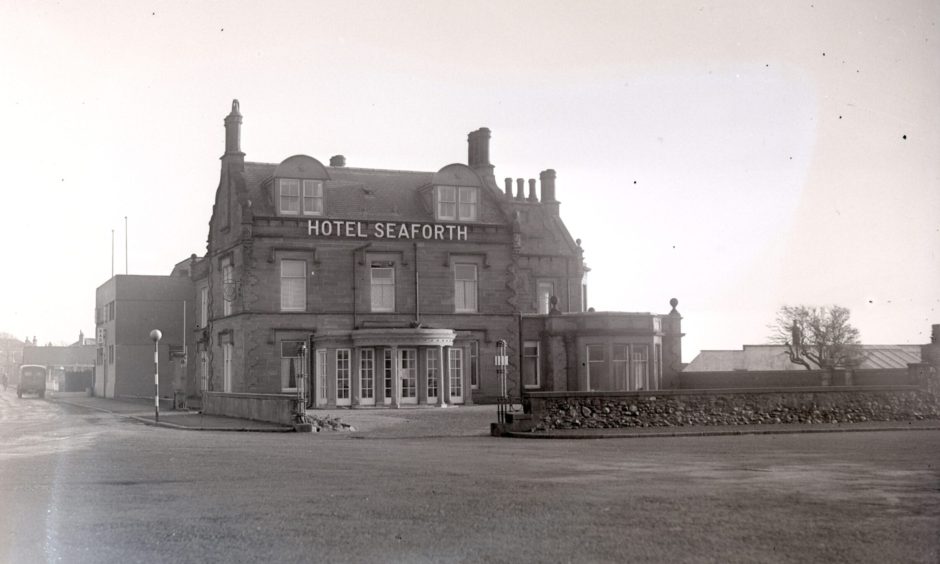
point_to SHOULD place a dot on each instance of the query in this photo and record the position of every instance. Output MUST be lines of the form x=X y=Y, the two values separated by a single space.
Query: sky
x=738 y=156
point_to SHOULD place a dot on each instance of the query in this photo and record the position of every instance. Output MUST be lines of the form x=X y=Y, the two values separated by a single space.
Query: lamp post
x=156 y=335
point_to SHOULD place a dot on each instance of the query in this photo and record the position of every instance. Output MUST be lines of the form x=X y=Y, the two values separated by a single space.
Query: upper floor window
x=300 y=197
x=465 y=287
x=228 y=286
x=383 y=287
x=545 y=289
x=458 y=203
x=293 y=285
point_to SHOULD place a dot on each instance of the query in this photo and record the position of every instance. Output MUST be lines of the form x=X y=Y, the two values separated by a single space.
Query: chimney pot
x=509 y=187
x=520 y=189
x=532 y=196
x=547 y=178
x=338 y=161
x=478 y=150
x=233 y=133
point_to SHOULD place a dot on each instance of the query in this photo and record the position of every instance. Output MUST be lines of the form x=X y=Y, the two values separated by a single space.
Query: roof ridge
x=353 y=168
x=384 y=170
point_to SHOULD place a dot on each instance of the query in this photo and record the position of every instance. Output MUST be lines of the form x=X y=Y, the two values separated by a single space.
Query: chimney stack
x=233 y=131
x=547 y=178
x=338 y=161
x=479 y=148
x=509 y=187
x=532 y=196
x=520 y=189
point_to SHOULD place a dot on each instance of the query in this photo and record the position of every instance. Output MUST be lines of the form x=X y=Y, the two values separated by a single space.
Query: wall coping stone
x=242 y=395
x=722 y=391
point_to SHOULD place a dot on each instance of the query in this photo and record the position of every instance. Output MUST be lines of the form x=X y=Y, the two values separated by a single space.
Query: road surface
x=83 y=486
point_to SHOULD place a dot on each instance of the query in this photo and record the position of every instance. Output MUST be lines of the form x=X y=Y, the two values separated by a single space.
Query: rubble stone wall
x=273 y=408
x=680 y=408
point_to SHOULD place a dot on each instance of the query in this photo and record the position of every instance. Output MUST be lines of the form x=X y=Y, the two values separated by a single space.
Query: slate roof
x=353 y=193
x=774 y=358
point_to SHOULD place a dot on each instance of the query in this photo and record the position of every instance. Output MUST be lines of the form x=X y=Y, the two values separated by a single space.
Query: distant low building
x=761 y=366
x=69 y=368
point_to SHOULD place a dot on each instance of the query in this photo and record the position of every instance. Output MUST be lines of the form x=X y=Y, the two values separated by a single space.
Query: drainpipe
x=355 y=285
x=519 y=369
x=417 y=292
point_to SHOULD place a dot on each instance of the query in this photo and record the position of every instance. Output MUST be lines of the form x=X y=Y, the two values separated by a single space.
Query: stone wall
x=273 y=408
x=681 y=408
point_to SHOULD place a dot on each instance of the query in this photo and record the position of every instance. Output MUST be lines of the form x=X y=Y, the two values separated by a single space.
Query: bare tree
x=818 y=337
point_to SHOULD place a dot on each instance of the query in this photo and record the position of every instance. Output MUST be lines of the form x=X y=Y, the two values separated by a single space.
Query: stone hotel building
x=368 y=287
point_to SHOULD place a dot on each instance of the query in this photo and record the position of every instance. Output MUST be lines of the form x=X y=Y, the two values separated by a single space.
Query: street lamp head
x=156 y=335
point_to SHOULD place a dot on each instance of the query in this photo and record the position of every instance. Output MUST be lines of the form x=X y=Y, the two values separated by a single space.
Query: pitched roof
x=774 y=358
x=361 y=194
x=60 y=356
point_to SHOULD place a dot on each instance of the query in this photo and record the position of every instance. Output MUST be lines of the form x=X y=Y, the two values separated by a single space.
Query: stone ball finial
x=673 y=302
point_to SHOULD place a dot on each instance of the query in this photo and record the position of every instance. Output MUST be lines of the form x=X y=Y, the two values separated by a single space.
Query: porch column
x=468 y=375
x=380 y=376
x=396 y=379
x=443 y=390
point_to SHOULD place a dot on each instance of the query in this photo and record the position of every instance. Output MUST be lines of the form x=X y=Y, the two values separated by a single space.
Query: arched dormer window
x=457 y=194
x=299 y=185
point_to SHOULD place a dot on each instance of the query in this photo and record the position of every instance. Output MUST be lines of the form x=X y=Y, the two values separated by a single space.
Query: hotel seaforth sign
x=386 y=230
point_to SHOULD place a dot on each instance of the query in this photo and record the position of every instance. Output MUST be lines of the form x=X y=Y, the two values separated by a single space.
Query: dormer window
x=458 y=203
x=300 y=197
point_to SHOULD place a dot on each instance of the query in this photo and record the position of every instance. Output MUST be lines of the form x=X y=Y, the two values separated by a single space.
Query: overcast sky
x=735 y=155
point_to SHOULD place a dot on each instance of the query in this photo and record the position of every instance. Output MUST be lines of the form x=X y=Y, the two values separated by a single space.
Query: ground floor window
x=596 y=359
x=291 y=364
x=530 y=364
x=204 y=370
x=322 y=387
x=620 y=363
x=659 y=366
x=641 y=367
x=227 y=352
x=456 y=374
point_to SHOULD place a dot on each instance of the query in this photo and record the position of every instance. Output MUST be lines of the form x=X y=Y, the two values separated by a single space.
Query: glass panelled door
x=408 y=372
x=434 y=374
x=385 y=389
x=456 y=375
x=343 y=382
x=367 y=376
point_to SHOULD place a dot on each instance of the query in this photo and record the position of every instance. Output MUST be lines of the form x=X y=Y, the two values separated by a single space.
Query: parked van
x=32 y=380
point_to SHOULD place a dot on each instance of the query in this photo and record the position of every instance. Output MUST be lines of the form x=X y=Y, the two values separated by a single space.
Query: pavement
x=143 y=412
x=455 y=421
